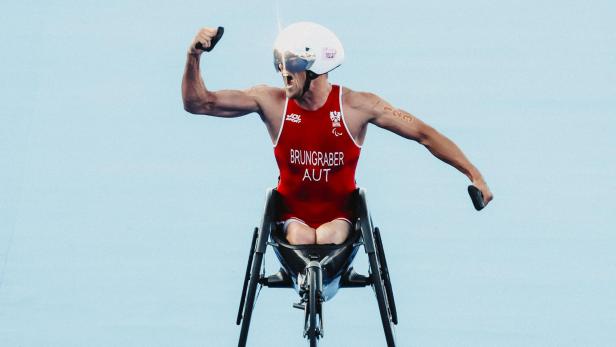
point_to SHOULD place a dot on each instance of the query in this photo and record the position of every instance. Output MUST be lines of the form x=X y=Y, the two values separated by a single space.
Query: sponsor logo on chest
x=334 y=116
x=295 y=118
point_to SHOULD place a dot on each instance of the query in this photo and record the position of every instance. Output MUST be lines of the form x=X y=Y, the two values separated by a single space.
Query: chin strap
x=309 y=77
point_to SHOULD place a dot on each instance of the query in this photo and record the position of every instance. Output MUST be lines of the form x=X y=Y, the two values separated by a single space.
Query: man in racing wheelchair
x=317 y=129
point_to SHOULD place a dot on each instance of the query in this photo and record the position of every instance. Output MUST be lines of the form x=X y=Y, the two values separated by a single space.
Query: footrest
x=278 y=280
x=352 y=279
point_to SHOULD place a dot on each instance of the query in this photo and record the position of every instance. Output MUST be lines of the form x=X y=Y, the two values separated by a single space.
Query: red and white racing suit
x=317 y=157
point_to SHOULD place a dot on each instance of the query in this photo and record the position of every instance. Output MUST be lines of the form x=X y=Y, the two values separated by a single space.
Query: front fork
x=313 y=277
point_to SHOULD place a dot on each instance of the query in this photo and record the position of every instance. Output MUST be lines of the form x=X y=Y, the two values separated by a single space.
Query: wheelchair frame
x=315 y=269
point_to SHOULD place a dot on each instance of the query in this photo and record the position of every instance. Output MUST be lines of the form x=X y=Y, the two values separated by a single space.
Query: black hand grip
x=477 y=197
x=215 y=40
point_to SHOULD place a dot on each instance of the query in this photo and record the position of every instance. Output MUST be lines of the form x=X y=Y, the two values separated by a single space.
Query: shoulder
x=263 y=91
x=271 y=101
x=363 y=102
x=268 y=98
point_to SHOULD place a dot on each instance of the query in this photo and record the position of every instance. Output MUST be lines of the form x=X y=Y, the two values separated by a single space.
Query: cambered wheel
x=385 y=275
x=240 y=311
x=381 y=297
x=258 y=248
x=250 y=297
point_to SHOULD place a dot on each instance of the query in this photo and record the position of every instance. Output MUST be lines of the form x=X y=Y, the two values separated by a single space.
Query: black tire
x=381 y=298
x=312 y=311
x=260 y=245
x=385 y=274
x=240 y=310
x=250 y=298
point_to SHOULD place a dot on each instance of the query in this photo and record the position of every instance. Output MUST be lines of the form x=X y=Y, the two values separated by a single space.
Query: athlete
x=317 y=128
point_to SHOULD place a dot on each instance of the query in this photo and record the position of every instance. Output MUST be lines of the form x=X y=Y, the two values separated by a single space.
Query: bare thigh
x=299 y=233
x=336 y=231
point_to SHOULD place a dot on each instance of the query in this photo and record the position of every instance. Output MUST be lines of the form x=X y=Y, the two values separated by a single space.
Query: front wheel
x=312 y=310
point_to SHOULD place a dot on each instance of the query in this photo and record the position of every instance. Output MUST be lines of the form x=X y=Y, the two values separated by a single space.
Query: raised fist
x=205 y=40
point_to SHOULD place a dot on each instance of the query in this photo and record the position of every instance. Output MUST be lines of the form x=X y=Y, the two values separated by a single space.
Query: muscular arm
x=406 y=125
x=225 y=103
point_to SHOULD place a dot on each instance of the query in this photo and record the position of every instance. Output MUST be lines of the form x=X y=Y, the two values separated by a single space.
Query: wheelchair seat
x=334 y=258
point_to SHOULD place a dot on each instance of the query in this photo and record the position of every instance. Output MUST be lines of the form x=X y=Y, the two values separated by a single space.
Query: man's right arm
x=199 y=100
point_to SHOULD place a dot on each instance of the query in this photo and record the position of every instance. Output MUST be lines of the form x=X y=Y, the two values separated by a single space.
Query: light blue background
x=124 y=221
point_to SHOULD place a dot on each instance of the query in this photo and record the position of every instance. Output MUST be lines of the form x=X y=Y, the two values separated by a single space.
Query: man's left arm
x=406 y=125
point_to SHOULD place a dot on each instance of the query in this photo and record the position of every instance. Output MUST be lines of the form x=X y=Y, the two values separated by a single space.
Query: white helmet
x=307 y=46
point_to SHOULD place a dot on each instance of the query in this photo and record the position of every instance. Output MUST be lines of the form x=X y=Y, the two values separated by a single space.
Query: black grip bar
x=477 y=197
x=215 y=40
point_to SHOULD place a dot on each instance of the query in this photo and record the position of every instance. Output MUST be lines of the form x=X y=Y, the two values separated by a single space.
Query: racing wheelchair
x=318 y=271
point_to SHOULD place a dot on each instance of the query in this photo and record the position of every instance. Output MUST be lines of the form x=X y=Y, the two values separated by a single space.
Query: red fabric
x=317 y=158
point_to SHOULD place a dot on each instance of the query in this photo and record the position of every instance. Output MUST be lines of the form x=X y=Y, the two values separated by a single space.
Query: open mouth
x=288 y=80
